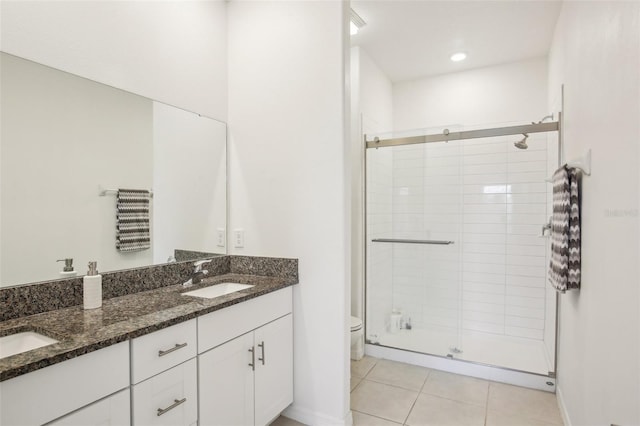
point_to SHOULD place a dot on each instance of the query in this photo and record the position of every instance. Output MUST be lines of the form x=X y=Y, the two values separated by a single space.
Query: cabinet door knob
x=261 y=346
x=175 y=348
x=176 y=402
x=252 y=364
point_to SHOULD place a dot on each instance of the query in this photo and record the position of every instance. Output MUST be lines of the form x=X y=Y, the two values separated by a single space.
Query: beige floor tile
x=496 y=418
x=361 y=419
x=398 y=374
x=362 y=367
x=455 y=386
x=380 y=400
x=527 y=403
x=285 y=421
x=355 y=381
x=432 y=410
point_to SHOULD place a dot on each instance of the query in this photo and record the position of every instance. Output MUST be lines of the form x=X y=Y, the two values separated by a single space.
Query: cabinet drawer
x=49 y=393
x=170 y=398
x=161 y=350
x=112 y=411
x=223 y=325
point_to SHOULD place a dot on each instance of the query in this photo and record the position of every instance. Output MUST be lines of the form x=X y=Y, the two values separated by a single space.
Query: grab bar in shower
x=395 y=240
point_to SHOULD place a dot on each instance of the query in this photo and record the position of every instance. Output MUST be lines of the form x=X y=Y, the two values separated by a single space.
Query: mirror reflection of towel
x=132 y=220
x=564 y=268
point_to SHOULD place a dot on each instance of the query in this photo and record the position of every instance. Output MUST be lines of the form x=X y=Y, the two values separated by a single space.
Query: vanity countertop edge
x=123 y=318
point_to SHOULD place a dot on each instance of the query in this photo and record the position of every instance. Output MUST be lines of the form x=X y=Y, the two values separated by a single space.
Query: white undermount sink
x=23 y=342
x=217 y=290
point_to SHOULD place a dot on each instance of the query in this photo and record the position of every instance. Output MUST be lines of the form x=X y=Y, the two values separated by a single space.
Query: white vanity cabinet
x=114 y=410
x=49 y=393
x=164 y=377
x=246 y=361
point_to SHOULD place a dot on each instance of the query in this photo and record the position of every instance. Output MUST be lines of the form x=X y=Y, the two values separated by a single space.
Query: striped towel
x=132 y=220
x=564 y=268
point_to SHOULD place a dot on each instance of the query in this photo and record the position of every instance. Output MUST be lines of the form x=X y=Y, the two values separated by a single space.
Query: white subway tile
x=483 y=326
x=496 y=299
x=527 y=219
x=529 y=240
x=486 y=179
x=524 y=332
x=534 y=292
x=493 y=158
x=527 y=177
x=525 y=302
x=485 y=209
x=485 y=198
x=483 y=288
x=526 y=250
x=477 y=228
x=527 y=271
x=494 y=308
x=519 y=280
x=533 y=230
x=518 y=311
x=495 y=259
x=526 y=260
x=495 y=218
x=485 y=189
x=484 y=248
x=528 y=166
x=485 y=238
x=537 y=209
x=482 y=277
x=483 y=169
x=528 y=188
x=518 y=156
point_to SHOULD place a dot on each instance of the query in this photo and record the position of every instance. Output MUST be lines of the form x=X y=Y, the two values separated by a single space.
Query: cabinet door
x=274 y=369
x=111 y=411
x=170 y=398
x=226 y=383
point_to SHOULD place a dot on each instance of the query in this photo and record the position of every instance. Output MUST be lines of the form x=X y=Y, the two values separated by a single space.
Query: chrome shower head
x=523 y=143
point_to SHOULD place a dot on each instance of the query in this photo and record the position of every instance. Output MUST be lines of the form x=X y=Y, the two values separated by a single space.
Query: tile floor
x=388 y=393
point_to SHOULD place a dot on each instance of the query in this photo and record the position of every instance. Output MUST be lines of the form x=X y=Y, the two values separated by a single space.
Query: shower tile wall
x=490 y=198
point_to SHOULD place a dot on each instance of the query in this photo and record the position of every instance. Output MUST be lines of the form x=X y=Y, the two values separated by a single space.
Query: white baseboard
x=481 y=371
x=313 y=418
x=562 y=407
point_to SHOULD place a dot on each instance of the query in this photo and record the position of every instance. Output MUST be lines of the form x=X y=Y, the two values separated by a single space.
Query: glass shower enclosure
x=457 y=251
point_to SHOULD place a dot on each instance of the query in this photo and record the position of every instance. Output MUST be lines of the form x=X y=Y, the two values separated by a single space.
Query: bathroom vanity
x=158 y=357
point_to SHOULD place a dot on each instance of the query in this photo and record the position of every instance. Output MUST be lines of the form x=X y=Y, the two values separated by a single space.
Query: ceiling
x=413 y=39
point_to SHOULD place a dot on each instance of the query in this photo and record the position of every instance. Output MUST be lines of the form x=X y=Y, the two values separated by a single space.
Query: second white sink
x=23 y=342
x=217 y=290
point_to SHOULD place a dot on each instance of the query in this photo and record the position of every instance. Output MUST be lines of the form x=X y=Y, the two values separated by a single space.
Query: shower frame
x=446 y=136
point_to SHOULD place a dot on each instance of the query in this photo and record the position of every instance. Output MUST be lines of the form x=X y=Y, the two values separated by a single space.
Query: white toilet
x=357 y=339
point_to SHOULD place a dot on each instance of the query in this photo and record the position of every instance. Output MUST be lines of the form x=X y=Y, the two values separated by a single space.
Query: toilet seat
x=356 y=324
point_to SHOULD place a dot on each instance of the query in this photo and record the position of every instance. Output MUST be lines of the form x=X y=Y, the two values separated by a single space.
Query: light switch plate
x=220 y=237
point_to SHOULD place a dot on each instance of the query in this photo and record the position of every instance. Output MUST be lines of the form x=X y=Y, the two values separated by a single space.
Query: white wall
x=497 y=94
x=289 y=189
x=189 y=182
x=371 y=112
x=170 y=51
x=62 y=138
x=596 y=54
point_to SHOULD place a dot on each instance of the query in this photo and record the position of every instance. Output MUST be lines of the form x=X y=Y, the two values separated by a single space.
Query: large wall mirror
x=66 y=139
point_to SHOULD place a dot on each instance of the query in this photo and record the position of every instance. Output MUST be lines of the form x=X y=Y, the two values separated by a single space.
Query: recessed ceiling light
x=457 y=57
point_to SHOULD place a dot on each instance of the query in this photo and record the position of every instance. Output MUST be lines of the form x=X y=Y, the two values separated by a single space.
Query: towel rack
x=396 y=240
x=103 y=192
x=582 y=163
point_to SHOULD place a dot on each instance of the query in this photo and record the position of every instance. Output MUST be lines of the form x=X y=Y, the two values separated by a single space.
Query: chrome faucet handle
x=198 y=265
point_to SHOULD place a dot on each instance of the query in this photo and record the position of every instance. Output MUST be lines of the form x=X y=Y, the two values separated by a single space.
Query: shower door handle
x=406 y=241
x=546 y=227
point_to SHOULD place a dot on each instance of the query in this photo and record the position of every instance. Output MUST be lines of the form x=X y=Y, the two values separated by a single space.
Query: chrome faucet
x=198 y=273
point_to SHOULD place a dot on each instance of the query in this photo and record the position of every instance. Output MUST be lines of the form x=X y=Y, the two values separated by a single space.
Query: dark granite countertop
x=122 y=318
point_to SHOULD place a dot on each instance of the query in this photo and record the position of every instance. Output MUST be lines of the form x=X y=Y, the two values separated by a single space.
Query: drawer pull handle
x=175 y=348
x=176 y=402
x=252 y=364
x=261 y=346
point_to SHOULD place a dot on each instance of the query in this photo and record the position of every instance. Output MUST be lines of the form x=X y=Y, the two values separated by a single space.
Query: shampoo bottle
x=92 y=287
x=67 y=271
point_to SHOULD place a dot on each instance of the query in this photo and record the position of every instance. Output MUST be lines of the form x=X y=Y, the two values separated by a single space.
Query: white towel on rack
x=564 y=268
x=132 y=220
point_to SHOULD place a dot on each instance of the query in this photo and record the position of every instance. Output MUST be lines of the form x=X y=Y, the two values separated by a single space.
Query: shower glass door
x=456 y=259
x=414 y=208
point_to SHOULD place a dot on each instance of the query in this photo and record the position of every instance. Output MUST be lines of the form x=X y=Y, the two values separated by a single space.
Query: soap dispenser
x=67 y=271
x=92 y=287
